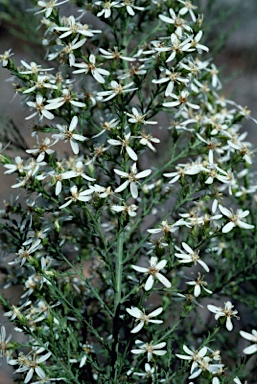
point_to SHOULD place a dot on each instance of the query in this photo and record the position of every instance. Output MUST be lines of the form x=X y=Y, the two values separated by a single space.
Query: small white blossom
x=190 y=256
x=149 y=348
x=143 y=318
x=67 y=134
x=154 y=272
x=227 y=312
x=251 y=337
x=235 y=219
x=132 y=181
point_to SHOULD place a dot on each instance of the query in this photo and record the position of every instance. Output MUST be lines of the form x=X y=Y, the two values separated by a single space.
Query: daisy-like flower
x=193 y=355
x=114 y=55
x=165 y=227
x=48 y=6
x=181 y=100
x=195 y=43
x=146 y=139
x=75 y=195
x=65 y=98
x=19 y=166
x=136 y=118
x=124 y=143
x=170 y=77
x=129 y=4
x=198 y=283
x=30 y=363
x=142 y=318
x=129 y=209
x=24 y=254
x=41 y=109
x=149 y=348
x=179 y=23
x=116 y=89
x=188 y=7
x=182 y=170
x=33 y=68
x=154 y=272
x=67 y=134
x=42 y=149
x=235 y=219
x=251 y=337
x=97 y=73
x=72 y=26
x=176 y=47
x=132 y=181
x=227 y=312
x=106 y=8
x=190 y=256
x=4 y=344
x=4 y=58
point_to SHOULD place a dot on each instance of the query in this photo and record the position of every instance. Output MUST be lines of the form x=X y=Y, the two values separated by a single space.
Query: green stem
x=118 y=270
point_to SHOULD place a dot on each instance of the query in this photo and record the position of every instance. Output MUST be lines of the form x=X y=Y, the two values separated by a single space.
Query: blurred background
x=230 y=32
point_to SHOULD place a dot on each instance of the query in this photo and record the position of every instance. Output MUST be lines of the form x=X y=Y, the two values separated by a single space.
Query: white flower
x=4 y=343
x=188 y=7
x=142 y=318
x=181 y=100
x=124 y=143
x=33 y=68
x=116 y=89
x=251 y=337
x=149 y=348
x=41 y=109
x=106 y=8
x=75 y=195
x=42 y=149
x=4 y=58
x=72 y=26
x=178 y=22
x=170 y=77
x=65 y=98
x=136 y=118
x=176 y=47
x=90 y=67
x=190 y=256
x=154 y=272
x=48 y=6
x=30 y=364
x=129 y=209
x=132 y=181
x=67 y=134
x=146 y=139
x=235 y=219
x=198 y=284
x=182 y=170
x=165 y=227
x=114 y=55
x=194 y=355
x=129 y=4
x=227 y=312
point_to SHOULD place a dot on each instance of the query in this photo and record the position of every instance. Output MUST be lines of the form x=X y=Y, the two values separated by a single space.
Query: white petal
x=132 y=154
x=163 y=280
x=229 y=324
x=138 y=327
x=156 y=312
x=149 y=283
x=228 y=227
x=251 y=349
x=143 y=174
x=140 y=269
x=135 y=312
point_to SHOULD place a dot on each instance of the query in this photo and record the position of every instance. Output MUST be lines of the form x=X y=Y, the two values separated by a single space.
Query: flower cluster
x=127 y=216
